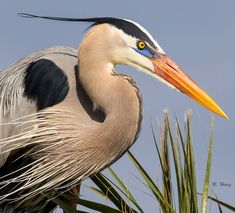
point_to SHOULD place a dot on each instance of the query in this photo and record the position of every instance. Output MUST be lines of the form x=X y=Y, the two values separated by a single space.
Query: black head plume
x=127 y=26
x=100 y=20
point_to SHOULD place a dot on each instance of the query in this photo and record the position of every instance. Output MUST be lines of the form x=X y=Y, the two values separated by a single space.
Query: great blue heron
x=66 y=114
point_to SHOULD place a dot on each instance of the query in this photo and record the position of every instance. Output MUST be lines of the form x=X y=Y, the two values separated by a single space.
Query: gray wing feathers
x=13 y=105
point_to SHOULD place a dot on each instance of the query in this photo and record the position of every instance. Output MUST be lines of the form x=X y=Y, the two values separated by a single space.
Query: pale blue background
x=198 y=35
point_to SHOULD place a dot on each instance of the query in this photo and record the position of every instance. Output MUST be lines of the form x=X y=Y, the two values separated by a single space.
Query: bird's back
x=15 y=105
x=32 y=84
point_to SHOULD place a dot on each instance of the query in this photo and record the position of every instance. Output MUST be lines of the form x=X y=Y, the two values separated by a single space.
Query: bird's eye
x=141 y=45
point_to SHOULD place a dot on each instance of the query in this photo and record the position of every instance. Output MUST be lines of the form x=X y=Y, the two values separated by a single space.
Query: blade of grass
x=111 y=193
x=226 y=205
x=96 y=191
x=185 y=203
x=158 y=153
x=86 y=203
x=219 y=206
x=192 y=171
x=125 y=189
x=167 y=191
x=156 y=191
x=208 y=171
x=176 y=163
x=165 y=177
x=97 y=206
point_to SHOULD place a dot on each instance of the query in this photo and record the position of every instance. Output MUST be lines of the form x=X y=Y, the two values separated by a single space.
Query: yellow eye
x=141 y=45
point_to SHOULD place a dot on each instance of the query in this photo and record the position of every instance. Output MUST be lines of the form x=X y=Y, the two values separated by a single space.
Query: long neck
x=115 y=94
x=68 y=136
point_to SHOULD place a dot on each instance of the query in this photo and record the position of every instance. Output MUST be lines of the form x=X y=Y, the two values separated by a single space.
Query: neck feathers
x=116 y=95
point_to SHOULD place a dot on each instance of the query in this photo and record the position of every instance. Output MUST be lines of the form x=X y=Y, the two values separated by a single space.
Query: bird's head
x=129 y=43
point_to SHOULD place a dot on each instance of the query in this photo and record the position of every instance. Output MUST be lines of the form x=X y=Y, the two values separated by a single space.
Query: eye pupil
x=141 y=45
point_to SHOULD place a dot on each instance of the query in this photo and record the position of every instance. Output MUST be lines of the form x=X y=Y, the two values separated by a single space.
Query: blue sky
x=198 y=35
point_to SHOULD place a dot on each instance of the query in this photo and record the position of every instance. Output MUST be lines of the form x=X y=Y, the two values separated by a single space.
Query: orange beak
x=168 y=70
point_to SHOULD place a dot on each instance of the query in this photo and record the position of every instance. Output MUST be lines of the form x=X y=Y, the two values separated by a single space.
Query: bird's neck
x=117 y=95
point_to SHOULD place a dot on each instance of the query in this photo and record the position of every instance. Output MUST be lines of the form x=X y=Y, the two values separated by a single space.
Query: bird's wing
x=33 y=83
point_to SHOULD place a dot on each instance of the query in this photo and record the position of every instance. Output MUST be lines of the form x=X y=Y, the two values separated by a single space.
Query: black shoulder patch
x=45 y=83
